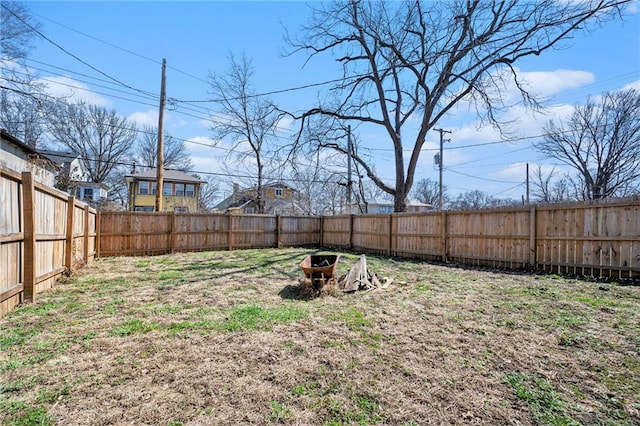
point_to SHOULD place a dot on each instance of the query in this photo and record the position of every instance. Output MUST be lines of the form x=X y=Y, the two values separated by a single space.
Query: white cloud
x=66 y=87
x=548 y=83
x=632 y=85
x=145 y=118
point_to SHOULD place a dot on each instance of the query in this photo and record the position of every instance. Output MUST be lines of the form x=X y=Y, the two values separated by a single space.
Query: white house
x=374 y=206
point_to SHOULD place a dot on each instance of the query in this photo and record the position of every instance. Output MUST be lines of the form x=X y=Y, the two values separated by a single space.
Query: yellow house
x=180 y=191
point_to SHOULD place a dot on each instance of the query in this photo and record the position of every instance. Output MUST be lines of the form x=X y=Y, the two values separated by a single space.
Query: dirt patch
x=229 y=338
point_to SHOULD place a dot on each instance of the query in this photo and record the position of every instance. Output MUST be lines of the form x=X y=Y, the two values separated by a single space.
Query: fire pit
x=320 y=269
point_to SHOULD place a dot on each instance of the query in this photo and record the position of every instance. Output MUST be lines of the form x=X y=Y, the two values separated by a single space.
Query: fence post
x=98 y=238
x=533 y=244
x=390 y=234
x=68 y=244
x=351 y=220
x=85 y=239
x=29 y=224
x=278 y=231
x=230 y=227
x=172 y=232
x=444 y=236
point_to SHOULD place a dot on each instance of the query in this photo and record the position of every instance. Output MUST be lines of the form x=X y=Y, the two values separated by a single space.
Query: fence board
x=336 y=231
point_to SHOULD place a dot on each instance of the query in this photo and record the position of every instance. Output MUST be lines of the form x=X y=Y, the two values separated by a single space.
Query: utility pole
x=349 y=183
x=160 y=161
x=440 y=164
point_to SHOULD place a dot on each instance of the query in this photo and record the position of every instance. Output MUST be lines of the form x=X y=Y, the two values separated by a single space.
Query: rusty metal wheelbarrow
x=320 y=269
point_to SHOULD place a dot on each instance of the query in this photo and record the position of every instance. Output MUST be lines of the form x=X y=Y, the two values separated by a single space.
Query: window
x=143 y=188
x=154 y=188
x=190 y=190
x=167 y=188
x=179 y=189
x=88 y=193
x=278 y=192
x=385 y=209
x=181 y=209
x=143 y=208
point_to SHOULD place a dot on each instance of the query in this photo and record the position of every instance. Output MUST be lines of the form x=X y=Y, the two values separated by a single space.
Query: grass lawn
x=226 y=338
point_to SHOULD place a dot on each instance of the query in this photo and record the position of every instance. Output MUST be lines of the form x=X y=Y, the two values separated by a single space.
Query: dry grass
x=226 y=338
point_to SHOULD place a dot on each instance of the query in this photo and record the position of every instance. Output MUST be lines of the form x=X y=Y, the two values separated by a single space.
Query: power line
x=115 y=46
x=71 y=54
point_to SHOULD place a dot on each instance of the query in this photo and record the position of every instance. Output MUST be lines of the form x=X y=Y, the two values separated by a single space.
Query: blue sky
x=127 y=41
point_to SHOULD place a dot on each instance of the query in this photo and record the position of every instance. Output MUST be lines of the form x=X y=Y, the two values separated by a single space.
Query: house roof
x=59 y=157
x=17 y=142
x=48 y=163
x=168 y=175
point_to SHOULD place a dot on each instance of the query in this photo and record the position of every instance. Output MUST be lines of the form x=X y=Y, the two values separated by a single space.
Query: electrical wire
x=35 y=30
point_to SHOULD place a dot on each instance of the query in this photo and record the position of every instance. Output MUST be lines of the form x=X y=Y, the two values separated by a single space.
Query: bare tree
x=549 y=188
x=601 y=142
x=471 y=200
x=100 y=136
x=23 y=112
x=413 y=61
x=209 y=192
x=428 y=191
x=17 y=31
x=249 y=122
x=23 y=104
x=175 y=154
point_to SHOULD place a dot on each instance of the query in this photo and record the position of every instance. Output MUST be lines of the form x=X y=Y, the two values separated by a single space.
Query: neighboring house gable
x=20 y=157
x=180 y=191
x=72 y=169
x=279 y=198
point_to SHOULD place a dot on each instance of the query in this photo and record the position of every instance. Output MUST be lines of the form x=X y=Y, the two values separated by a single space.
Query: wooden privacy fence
x=597 y=239
x=138 y=234
x=600 y=239
x=43 y=233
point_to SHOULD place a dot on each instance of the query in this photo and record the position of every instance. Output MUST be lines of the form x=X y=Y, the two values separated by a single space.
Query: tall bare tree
x=101 y=137
x=413 y=61
x=175 y=154
x=247 y=121
x=601 y=142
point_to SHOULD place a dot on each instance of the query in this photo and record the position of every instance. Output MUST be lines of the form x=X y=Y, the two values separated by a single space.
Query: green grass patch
x=279 y=413
x=201 y=325
x=10 y=337
x=253 y=318
x=51 y=395
x=546 y=405
x=169 y=275
x=133 y=326
x=20 y=413
x=352 y=318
